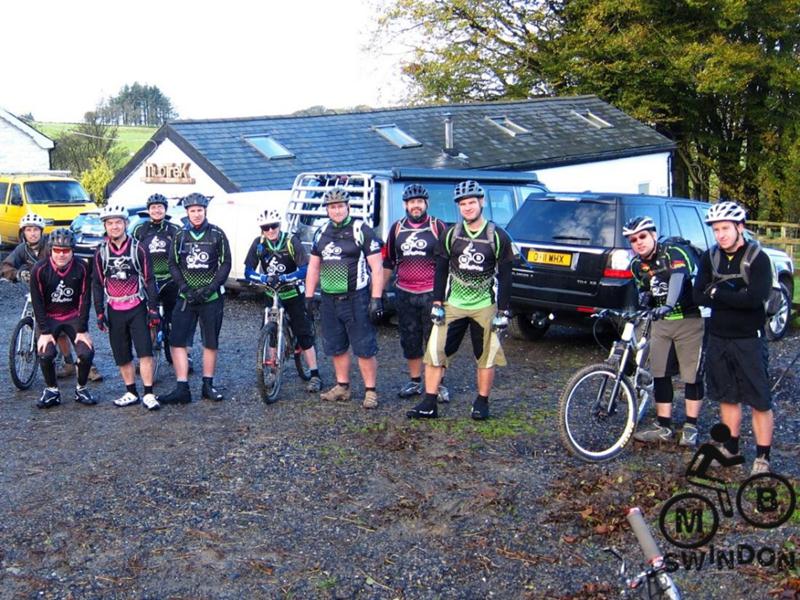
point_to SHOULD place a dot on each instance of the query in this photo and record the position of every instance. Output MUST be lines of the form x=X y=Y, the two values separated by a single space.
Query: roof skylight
x=395 y=135
x=269 y=147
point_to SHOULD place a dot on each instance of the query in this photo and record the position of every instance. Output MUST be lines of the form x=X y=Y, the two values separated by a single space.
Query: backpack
x=772 y=305
x=358 y=235
x=688 y=249
x=289 y=246
x=433 y=223
x=491 y=233
x=133 y=254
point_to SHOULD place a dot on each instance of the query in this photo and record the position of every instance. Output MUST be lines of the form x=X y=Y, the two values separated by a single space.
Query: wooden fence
x=785 y=236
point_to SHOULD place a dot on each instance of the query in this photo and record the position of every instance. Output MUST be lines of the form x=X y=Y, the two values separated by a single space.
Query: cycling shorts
x=446 y=338
x=126 y=327
x=736 y=371
x=345 y=323
x=685 y=336
x=184 y=322
x=414 y=322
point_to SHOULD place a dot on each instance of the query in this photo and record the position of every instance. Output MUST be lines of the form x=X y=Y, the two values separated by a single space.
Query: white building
x=22 y=148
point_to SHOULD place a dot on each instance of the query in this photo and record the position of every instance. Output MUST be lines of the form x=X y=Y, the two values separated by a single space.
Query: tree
x=97 y=177
x=720 y=77
x=92 y=139
x=142 y=105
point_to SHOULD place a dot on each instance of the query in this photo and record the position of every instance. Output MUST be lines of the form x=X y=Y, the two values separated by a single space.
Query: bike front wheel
x=269 y=367
x=595 y=426
x=23 y=357
x=156 y=337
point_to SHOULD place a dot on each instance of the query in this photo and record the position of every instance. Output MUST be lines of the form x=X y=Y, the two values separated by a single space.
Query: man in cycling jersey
x=284 y=262
x=199 y=262
x=342 y=252
x=663 y=272
x=125 y=302
x=409 y=252
x=155 y=236
x=60 y=295
x=737 y=354
x=471 y=257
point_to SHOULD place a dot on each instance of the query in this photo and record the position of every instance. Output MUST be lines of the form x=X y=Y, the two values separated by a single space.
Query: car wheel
x=528 y=330
x=778 y=324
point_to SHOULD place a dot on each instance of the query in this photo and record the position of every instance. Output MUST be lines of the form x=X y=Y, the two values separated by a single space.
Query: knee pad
x=695 y=391
x=662 y=386
x=84 y=352
x=49 y=354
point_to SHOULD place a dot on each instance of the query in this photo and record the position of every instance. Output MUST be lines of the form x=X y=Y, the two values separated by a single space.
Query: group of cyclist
x=729 y=353
x=448 y=279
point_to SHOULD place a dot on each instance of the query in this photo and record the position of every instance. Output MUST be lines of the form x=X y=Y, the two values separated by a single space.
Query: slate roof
x=347 y=141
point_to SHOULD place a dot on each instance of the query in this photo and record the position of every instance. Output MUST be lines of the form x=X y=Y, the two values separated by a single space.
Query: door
x=12 y=212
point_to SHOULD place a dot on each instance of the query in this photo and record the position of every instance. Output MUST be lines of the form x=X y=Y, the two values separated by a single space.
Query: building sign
x=167 y=173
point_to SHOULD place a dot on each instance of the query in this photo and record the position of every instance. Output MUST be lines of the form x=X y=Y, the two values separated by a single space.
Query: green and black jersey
x=286 y=256
x=200 y=257
x=467 y=263
x=653 y=276
x=343 y=251
x=156 y=239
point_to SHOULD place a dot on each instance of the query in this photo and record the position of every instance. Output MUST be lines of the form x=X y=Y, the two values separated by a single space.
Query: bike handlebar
x=642 y=531
x=629 y=315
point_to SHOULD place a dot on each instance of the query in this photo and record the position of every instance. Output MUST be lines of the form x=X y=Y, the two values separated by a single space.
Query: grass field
x=130 y=138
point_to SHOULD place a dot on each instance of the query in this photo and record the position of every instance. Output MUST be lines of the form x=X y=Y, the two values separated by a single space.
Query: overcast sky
x=232 y=58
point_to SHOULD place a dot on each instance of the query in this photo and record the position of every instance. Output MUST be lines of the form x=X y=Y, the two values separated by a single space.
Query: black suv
x=575 y=259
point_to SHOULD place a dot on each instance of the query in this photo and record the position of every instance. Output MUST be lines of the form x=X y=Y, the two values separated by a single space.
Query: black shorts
x=301 y=324
x=184 y=322
x=70 y=329
x=414 y=322
x=736 y=371
x=126 y=327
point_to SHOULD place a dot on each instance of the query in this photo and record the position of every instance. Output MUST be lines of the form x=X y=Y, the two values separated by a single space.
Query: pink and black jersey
x=410 y=248
x=60 y=295
x=123 y=276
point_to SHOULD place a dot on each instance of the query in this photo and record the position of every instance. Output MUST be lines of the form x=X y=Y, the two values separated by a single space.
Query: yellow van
x=53 y=195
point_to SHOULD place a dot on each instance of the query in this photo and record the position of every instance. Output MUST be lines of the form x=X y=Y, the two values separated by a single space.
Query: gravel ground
x=305 y=500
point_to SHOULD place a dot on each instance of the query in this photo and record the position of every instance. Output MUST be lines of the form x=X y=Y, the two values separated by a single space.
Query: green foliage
x=128 y=139
x=90 y=140
x=720 y=77
x=95 y=179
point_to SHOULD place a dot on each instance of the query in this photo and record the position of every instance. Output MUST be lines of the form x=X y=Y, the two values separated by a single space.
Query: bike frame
x=27 y=311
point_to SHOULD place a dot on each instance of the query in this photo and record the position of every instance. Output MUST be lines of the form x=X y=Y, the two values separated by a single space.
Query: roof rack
x=37 y=173
x=308 y=189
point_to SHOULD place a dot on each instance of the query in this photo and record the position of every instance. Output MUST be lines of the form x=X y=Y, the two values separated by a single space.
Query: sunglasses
x=638 y=238
x=272 y=226
x=56 y=250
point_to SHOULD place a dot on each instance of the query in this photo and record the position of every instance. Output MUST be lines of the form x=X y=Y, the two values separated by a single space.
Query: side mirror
x=93 y=198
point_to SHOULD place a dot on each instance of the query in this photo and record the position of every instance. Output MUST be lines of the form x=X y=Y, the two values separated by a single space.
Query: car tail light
x=618 y=266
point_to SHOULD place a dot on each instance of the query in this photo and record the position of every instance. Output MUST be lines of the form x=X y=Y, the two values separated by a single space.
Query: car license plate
x=559 y=259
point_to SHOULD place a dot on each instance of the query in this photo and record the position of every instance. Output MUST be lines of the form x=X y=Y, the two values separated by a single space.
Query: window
x=501 y=205
x=16 y=195
x=579 y=223
x=508 y=126
x=592 y=119
x=691 y=225
x=3 y=191
x=61 y=191
x=644 y=188
x=269 y=147
x=396 y=136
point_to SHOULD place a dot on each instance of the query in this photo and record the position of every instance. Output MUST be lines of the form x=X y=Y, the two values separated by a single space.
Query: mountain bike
x=653 y=582
x=158 y=335
x=277 y=346
x=602 y=403
x=23 y=356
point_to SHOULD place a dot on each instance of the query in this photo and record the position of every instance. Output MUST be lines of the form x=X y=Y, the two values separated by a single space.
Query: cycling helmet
x=113 y=211
x=157 y=199
x=637 y=224
x=268 y=217
x=62 y=238
x=195 y=199
x=334 y=196
x=415 y=190
x=31 y=219
x=467 y=189
x=725 y=211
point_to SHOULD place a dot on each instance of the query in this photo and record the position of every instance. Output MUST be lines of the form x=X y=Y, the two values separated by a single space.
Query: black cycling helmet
x=195 y=199
x=637 y=224
x=467 y=189
x=335 y=196
x=61 y=238
x=415 y=190
x=157 y=199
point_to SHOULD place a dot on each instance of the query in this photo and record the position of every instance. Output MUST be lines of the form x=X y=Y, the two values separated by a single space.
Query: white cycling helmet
x=725 y=211
x=637 y=224
x=31 y=219
x=113 y=211
x=269 y=217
